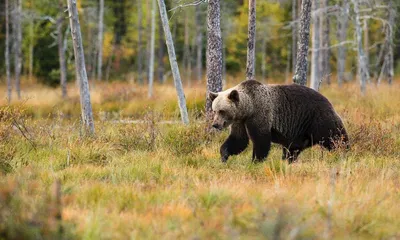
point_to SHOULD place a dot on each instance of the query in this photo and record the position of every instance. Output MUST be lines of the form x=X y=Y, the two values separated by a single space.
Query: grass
x=152 y=180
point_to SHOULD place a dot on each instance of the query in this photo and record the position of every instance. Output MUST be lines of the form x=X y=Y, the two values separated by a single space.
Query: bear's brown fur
x=297 y=117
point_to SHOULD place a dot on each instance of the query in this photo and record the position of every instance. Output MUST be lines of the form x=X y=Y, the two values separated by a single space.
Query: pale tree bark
x=315 y=71
x=390 y=39
x=31 y=41
x=186 y=47
x=263 y=58
x=199 y=43
x=300 y=76
x=100 y=41
x=148 y=37
x=18 y=46
x=251 y=43
x=7 y=50
x=294 y=34
x=173 y=63
x=363 y=74
x=152 y=46
x=61 y=51
x=86 y=106
x=343 y=22
x=160 y=59
x=366 y=41
x=324 y=53
x=139 y=44
x=214 y=53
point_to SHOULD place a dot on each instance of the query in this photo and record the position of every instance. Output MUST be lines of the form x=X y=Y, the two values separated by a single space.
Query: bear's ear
x=234 y=96
x=212 y=95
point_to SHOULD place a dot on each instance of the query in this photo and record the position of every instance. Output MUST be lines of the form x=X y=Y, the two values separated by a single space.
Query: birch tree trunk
x=160 y=52
x=390 y=39
x=300 y=76
x=263 y=59
x=294 y=34
x=366 y=43
x=100 y=42
x=363 y=74
x=315 y=71
x=148 y=37
x=343 y=23
x=152 y=44
x=324 y=53
x=7 y=50
x=251 y=43
x=199 y=43
x=214 y=52
x=139 y=44
x=186 y=48
x=31 y=41
x=18 y=46
x=86 y=106
x=61 y=51
x=174 y=63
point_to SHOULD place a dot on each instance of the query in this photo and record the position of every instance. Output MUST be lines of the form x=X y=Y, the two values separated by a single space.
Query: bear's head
x=229 y=106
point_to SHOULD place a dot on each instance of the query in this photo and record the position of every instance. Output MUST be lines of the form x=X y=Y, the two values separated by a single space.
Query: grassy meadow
x=158 y=179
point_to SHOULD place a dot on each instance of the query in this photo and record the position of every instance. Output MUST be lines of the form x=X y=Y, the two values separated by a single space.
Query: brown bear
x=294 y=116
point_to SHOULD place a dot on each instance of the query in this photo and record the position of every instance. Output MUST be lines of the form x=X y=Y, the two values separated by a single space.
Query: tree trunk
x=7 y=51
x=343 y=22
x=18 y=46
x=263 y=58
x=186 y=48
x=366 y=43
x=31 y=41
x=152 y=43
x=300 y=76
x=61 y=51
x=390 y=36
x=251 y=43
x=315 y=58
x=100 y=42
x=324 y=52
x=139 y=44
x=214 y=53
x=160 y=52
x=362 y=67
x=199 y=43
x=86 y=106
x=148 y=36
x=294 y=34
x=173 y=62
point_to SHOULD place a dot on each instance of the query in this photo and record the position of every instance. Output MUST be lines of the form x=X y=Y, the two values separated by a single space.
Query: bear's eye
x=221 y=112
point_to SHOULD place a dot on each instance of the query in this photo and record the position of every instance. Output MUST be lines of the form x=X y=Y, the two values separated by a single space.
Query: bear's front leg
x=261 y=138
x=236 y=143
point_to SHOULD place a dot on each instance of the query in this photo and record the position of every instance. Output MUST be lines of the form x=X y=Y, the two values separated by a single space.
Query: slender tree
x=294 y=34
x=18 y=46
x=31 y=42
x=100 y=41
x=7 y=51
x=86 y=106
x=152 y=44
x=214 y=52
x=251 y=44
x=300 y=76
x=343 y=22
x=324 y=53
x=160 y=59
x=363 y=74
x=173 y=62
x=199 y=43
x=61 y=50
x=186 y=47
x=390 y=38
x=315 y=71
x=139 y=43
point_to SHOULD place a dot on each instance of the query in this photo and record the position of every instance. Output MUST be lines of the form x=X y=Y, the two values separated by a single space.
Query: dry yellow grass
x=163 y=181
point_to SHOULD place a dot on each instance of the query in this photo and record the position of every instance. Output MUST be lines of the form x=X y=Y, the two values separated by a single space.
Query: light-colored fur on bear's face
x=229 y=106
